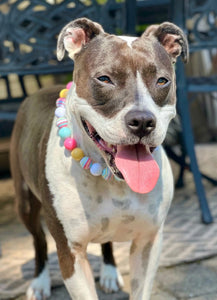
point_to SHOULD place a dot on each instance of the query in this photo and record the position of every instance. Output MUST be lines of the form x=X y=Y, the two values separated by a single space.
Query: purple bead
x=60 y=112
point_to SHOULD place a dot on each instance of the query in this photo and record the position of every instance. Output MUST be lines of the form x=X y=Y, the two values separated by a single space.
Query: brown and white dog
x=123 y=98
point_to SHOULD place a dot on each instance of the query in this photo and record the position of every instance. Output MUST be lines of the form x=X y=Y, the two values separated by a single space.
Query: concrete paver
x=189 y=280
x=207 y=297
x=194 y=280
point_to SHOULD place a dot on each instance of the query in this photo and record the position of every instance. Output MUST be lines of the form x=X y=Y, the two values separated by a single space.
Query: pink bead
x=70 y=144
x=69 y=84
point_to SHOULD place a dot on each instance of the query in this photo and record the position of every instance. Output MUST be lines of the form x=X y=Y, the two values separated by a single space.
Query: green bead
x=64 y=132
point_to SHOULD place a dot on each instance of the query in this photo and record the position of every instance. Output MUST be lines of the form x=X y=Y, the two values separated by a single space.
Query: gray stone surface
x=206 y=297
x=160 y=294
x=189 y=280
x=195 y=280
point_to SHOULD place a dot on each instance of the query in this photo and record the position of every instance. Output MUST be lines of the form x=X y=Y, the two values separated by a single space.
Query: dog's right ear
x=76 y=34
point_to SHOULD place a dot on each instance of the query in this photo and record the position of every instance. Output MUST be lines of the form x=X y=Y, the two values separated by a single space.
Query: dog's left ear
x=171 y=37
x=75 y=35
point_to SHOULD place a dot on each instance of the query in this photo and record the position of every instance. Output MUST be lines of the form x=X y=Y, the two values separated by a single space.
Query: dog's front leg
x=77 y=274
x=144 y=257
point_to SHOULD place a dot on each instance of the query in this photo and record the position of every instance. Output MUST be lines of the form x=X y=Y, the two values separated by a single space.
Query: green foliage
x=118 y=31
x=100 y=2
x=141 y=28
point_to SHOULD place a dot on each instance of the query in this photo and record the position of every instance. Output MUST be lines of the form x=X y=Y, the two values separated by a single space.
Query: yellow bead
x=77 y=154
x=63 y=93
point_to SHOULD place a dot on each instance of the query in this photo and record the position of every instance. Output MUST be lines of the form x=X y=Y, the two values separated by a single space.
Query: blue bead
x=64 y=132
x=96 y=169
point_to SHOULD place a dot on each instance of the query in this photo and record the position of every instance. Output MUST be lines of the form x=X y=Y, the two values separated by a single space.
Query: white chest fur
x=91 y=209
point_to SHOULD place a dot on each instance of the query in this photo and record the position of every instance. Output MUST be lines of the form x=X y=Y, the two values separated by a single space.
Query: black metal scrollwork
x=201 y=16
x=29 y=29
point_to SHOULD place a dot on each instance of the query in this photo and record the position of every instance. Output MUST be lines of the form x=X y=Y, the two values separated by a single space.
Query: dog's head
x=125 y=87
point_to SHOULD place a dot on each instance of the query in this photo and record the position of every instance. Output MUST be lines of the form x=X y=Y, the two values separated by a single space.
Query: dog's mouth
x=133 y=163
x=109 y=150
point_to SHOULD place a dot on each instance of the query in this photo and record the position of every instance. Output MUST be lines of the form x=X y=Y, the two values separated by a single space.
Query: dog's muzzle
x=134 y=163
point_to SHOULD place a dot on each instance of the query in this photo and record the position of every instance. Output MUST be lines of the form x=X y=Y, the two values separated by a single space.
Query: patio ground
x=189 y=260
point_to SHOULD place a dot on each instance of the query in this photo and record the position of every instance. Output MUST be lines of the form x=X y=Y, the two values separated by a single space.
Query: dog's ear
x=76 y=34
x=171 y=37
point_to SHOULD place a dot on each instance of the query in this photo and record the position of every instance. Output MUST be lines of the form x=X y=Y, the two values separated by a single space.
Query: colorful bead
x=69 y=84
x=61 y=102
x=77 y=154
x=70 y=144
x=85 y=162
x=64 y=132
x=63 y=93
x=106 y=173
x=96 y=169
x=60 y=112
x=62 y=122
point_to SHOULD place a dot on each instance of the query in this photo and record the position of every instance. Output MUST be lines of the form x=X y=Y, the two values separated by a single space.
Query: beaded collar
x=70 y=143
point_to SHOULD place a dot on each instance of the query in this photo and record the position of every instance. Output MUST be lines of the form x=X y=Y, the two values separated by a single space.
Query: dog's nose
x=140 y=123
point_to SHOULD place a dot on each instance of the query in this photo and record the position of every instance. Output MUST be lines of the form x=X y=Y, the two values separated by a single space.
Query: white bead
x=96 y=169
x=60 y=112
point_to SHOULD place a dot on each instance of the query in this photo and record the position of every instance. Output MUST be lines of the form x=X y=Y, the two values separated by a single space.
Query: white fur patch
x=163 y=114
x=128 y=39
x=81 y=285
x=40 y=287
x=144 y=100
x=110 y=278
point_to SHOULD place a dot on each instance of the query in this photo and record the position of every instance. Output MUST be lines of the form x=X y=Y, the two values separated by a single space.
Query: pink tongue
x=138 y=167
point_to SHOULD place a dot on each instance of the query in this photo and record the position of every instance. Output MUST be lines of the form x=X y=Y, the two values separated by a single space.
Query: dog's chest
x=92 y=209
x=114 y=213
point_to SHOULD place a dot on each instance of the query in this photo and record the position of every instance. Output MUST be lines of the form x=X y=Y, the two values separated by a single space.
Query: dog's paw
x=40 y=287
x=110 y=278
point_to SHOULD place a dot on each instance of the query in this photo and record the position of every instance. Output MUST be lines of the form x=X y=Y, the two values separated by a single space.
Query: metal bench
x=200 y=38
x=28 y=34
x=180 y=12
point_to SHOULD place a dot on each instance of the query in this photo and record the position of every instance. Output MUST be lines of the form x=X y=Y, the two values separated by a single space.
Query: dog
x=118 y=108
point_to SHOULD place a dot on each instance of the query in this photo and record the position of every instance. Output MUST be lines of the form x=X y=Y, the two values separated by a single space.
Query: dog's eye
x=104 y=79
x=162 y=81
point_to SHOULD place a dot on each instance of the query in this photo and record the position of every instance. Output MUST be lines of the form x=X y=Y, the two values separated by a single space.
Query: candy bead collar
x=70 y=144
